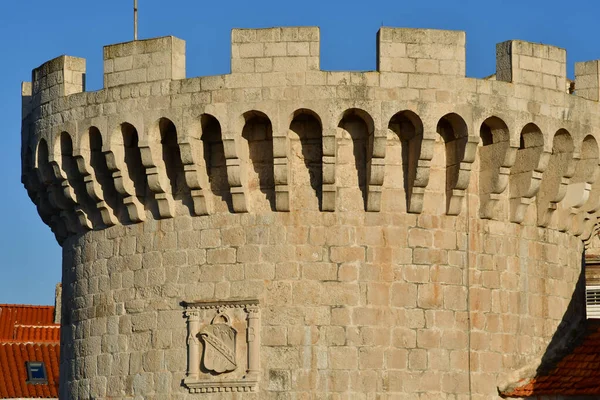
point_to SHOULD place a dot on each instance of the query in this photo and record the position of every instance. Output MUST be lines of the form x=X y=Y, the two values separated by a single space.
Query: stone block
x=56 y=78
x=342 y=357
x=587 y=80
x=147 y=60
x=420 y=50
x=531 y=64
x=278 y=49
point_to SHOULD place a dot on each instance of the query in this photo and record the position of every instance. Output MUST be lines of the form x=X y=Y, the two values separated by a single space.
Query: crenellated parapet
x=284 y=230
x=154 y=144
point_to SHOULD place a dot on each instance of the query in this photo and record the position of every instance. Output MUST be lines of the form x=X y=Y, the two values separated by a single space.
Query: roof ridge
x=26 y=305
x=23 y=341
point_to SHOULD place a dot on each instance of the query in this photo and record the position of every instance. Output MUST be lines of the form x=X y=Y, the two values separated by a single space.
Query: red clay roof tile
x=13 y=356
x=576 y=374
x=16 y=314
x=46 y=333
x=28 y=333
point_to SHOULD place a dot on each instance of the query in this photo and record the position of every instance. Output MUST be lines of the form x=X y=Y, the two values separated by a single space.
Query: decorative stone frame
x=243 y=314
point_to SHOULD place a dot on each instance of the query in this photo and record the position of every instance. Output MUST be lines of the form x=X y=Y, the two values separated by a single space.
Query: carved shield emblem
x=219 y=346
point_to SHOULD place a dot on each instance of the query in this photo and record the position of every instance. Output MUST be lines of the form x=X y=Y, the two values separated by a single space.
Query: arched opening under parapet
x=408 y=129
x=306 y=161
x=531 y=137
x=258 y=132
x=102 y=173
x=355 y=148
x=531 y=146
x=171 y=155
x=216 y=163
x=560 y=167
x=493 y=131
x=133 y=160
x=562 y=143
x=590 y=155
x=75 y=179
x=42 y=162
x=69 y=166
x=583 y=191
x=493 y=146
x=454 y=132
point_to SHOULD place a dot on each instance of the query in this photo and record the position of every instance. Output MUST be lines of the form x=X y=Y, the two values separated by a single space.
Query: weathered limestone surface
x=405 y=233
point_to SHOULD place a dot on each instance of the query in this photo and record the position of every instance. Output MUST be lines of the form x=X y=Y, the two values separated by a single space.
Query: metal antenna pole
x=135 y=19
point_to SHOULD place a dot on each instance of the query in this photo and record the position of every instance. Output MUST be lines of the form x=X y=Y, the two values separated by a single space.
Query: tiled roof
x=35 y=333
x=28 y=333
x=12 y=314
x=13 y=375
x=577 y=374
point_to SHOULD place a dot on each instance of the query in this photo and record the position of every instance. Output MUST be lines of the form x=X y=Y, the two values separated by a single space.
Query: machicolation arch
x=204 y=173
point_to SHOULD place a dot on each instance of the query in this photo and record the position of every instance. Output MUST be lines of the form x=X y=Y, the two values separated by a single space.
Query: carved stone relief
x=223 y=346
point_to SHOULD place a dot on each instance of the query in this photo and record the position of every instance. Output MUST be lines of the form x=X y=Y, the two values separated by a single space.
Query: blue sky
x=35 y=31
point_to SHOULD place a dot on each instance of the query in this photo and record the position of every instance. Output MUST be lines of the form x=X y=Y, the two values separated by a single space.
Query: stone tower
x=283 y=232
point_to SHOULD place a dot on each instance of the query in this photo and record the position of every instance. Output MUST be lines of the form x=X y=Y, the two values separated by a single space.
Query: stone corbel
x=115 y=161
x=457 y=193
x=591 y=230
x=280 y=173
x=38 y=195
x=63 y=197
x=92 y=186
x=579 y=198
x=569 y=215
x=329 y=191
x=423 y=167
x=47 y=211
x=188 y=149
x=548 y=202
x=158 y=181
x=498 y=185
x=234 y=176
x=524 y=187
x=376 y=171
x=589 y=208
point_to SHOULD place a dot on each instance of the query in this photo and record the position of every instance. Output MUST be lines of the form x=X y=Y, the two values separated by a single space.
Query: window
x=592 y=297
x=36 y=373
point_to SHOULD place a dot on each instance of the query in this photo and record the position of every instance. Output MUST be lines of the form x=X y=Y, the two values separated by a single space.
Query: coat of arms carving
x=218 y=356
x=219 y=346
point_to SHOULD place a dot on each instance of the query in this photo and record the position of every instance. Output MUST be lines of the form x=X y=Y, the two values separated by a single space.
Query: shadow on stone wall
x=570 y=331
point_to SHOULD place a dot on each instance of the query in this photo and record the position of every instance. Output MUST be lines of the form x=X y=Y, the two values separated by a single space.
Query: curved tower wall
x=287 y=232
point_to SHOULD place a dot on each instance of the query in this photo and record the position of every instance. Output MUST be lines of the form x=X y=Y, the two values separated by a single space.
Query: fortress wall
x=62 y=76
x=587 y=80
x=421 y=51
x=144 y=61
x=291 y=49
x=531 y=64
x=380 y=218
x=350 y=303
